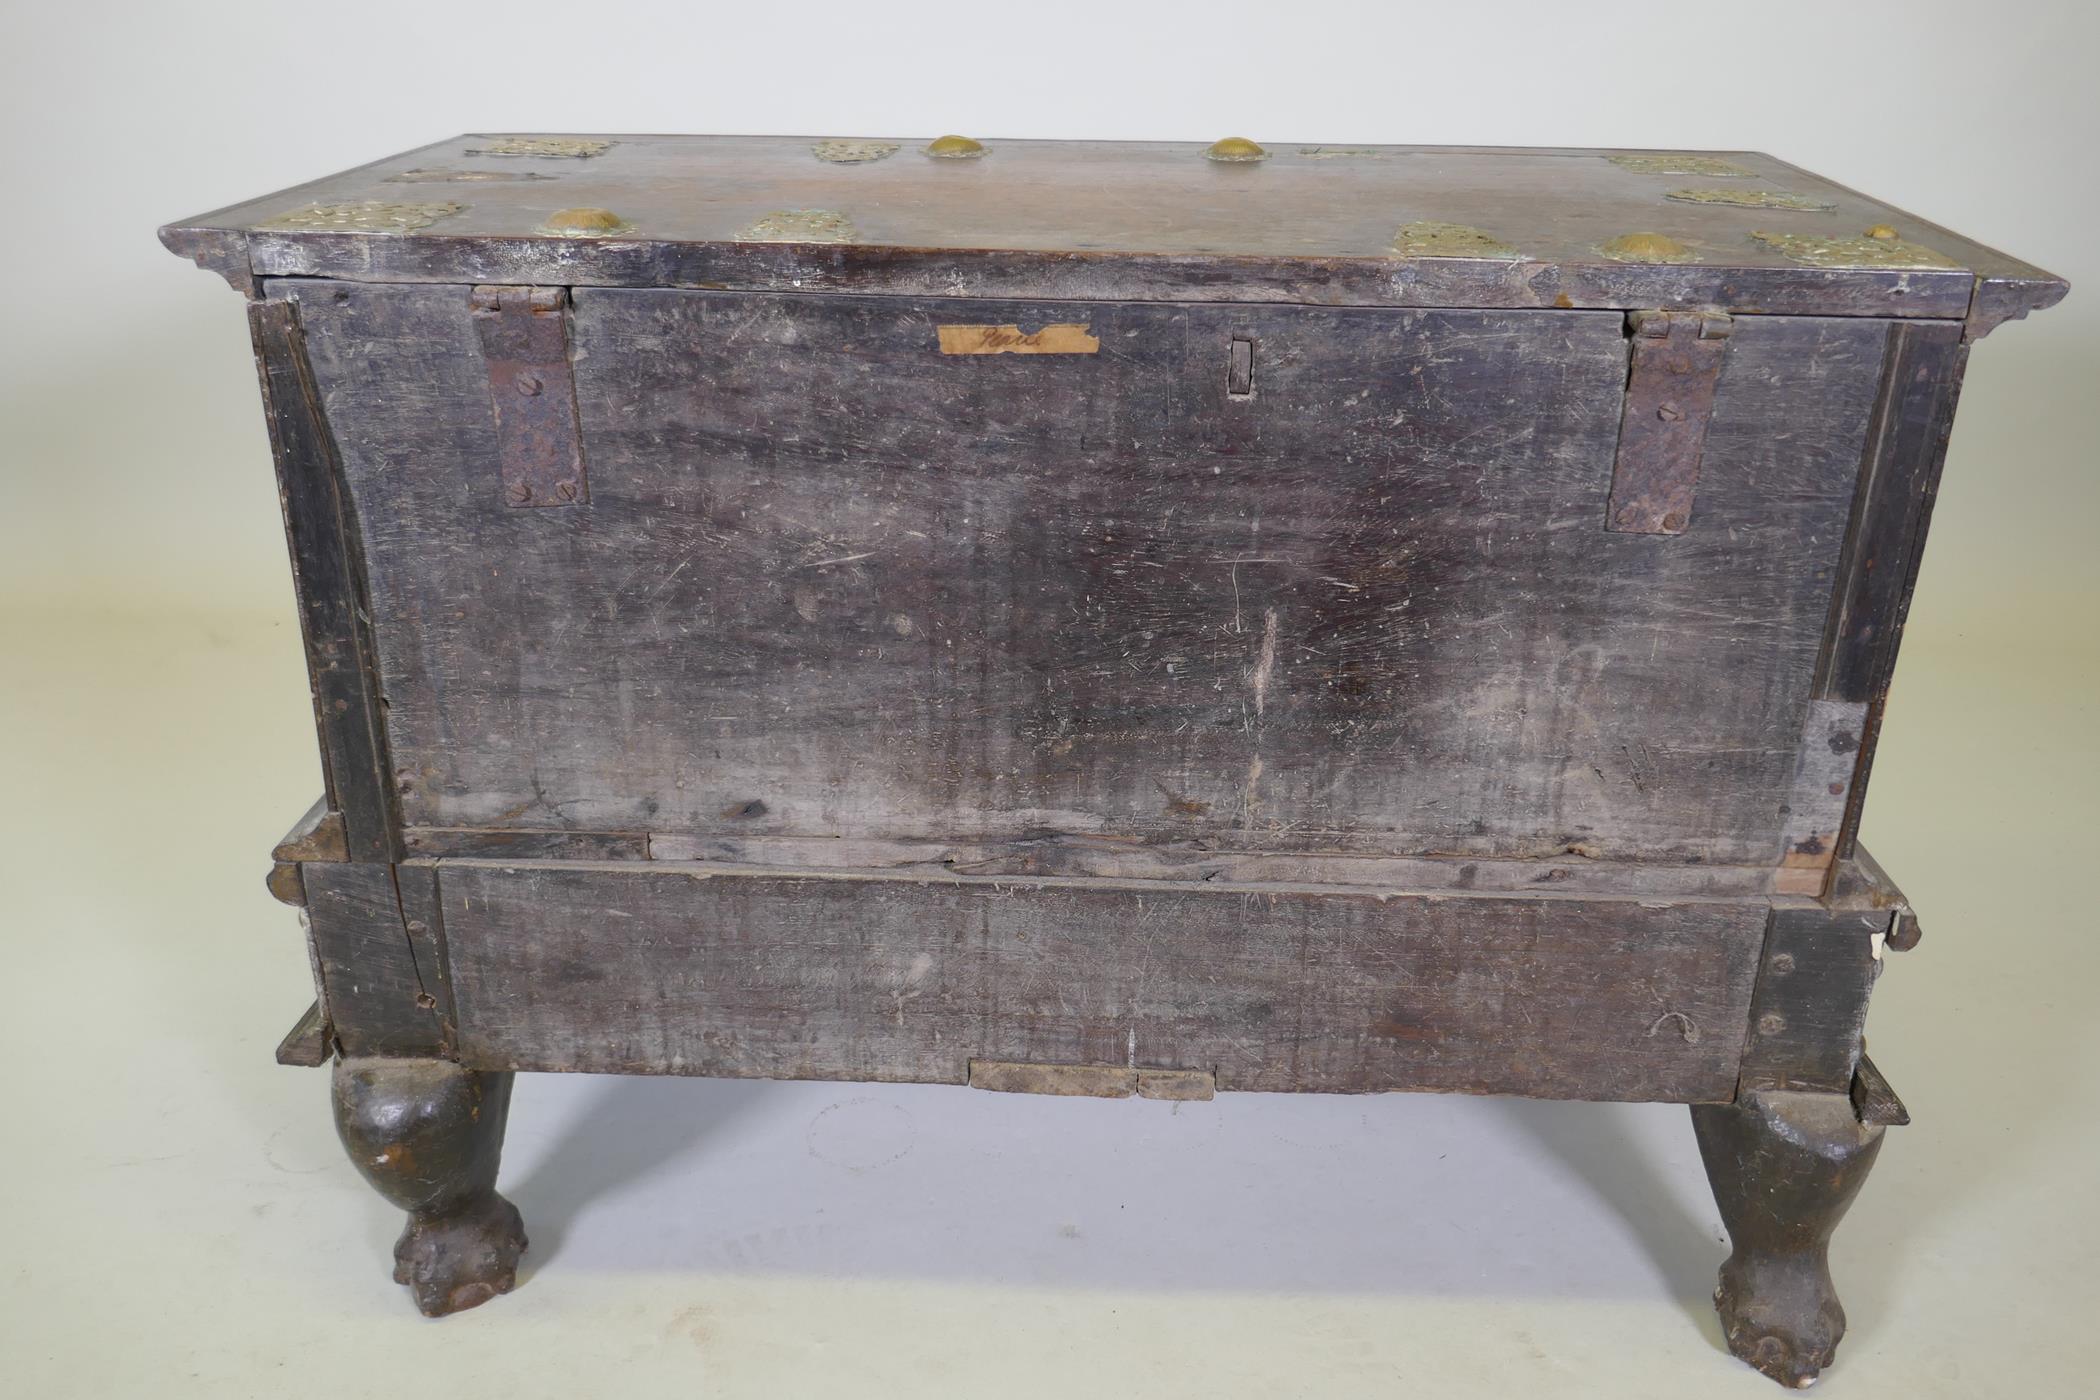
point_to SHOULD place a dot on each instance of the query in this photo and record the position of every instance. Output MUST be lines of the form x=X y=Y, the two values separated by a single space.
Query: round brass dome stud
x=1644 y=248
x=583 y=223
x=1236 y=150
x=1883 y=232
x=955 y=148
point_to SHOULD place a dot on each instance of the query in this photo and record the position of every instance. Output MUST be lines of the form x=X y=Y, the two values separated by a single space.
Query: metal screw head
x=565 y=489
x=1771 y=1023
x=520 y=493
x=530 y=386
x=1673 y=521
x=418 y=926
x=1669 y=413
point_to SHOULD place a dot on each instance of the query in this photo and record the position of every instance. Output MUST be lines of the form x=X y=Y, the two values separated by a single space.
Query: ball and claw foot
x=1784 y=1325
x=459 y=1261
x=428 y=1135
x=1784 y=1167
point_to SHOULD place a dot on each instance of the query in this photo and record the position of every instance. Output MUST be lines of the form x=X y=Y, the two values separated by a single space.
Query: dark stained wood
x=310 y=1042
x=1142 y=221
x=1874 y=1099
x=1809 y=1014
x=376 y=935
x=834 y=583
x=1785 y=1168
x=1906 y=446
x=627 y=969
x=318 y=836
x=327 y=568
x=1898 y=483
x=428 y=1136
x=427 y=842
x=285 y=884
x=1114 y=859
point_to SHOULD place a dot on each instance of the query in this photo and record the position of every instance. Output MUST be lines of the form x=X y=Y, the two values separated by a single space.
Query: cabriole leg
x=428 y=1134
x=1785 y=1166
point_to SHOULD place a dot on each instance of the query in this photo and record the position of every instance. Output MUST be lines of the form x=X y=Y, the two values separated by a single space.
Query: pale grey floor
x=180 y=1222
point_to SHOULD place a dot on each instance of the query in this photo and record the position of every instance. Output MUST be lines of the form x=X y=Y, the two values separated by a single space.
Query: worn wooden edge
x=224 y=251
x=1087 y=856
x=1855 y=882
x=1853 y=889
x=525 y=843
x=375 y=937
x=1086 y=276
x=318 y=835
x=1902 y=456
x=1931 y=457
x=308 y=1044
x=2004 y=288
x=1873 y=1100
x=1808 y=1004
x=712 y=870
x=286 y=884
x=328 y=568
x=1094 y=1081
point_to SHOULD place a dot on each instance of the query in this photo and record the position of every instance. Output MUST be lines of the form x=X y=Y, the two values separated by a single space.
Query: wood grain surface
x=832 y=582
x=692 y=972
x=1126 y=220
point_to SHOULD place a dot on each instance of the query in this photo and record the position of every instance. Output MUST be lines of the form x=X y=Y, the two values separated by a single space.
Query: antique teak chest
x=1126 y=619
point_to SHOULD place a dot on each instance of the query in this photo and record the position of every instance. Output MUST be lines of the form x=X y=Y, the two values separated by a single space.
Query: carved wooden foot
x=1784 y=1167
x=428 y=1134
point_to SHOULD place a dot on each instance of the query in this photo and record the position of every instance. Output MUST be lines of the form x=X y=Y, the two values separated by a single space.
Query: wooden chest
x=1108 y=618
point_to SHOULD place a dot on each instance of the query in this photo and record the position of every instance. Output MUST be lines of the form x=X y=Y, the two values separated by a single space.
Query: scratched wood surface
x=641 y=969
x=831 y=582
x=1127 y=220
x=377 y=946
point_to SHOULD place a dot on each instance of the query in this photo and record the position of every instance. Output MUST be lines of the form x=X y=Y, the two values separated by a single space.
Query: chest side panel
x=830 y=581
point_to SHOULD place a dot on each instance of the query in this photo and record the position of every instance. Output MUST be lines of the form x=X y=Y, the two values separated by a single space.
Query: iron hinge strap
x=524 y=335
x=1671 y=380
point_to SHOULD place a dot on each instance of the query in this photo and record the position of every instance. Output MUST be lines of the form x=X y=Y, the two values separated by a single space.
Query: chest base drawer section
x=699 y=971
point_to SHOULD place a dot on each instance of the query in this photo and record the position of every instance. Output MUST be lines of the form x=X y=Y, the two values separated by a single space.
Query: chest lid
x=1131 y=221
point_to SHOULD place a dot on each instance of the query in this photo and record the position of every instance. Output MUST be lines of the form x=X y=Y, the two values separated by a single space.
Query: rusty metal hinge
x=1676 y=364
x=525 y=341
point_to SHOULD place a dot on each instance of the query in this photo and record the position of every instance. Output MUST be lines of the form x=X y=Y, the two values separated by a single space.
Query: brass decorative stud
x=955 y=148
x=583 y=223
x=1883 y=231
x=1236 y=150
x=1645 y=248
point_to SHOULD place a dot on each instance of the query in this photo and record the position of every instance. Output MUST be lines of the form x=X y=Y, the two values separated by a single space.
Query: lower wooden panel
x=826 y=977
